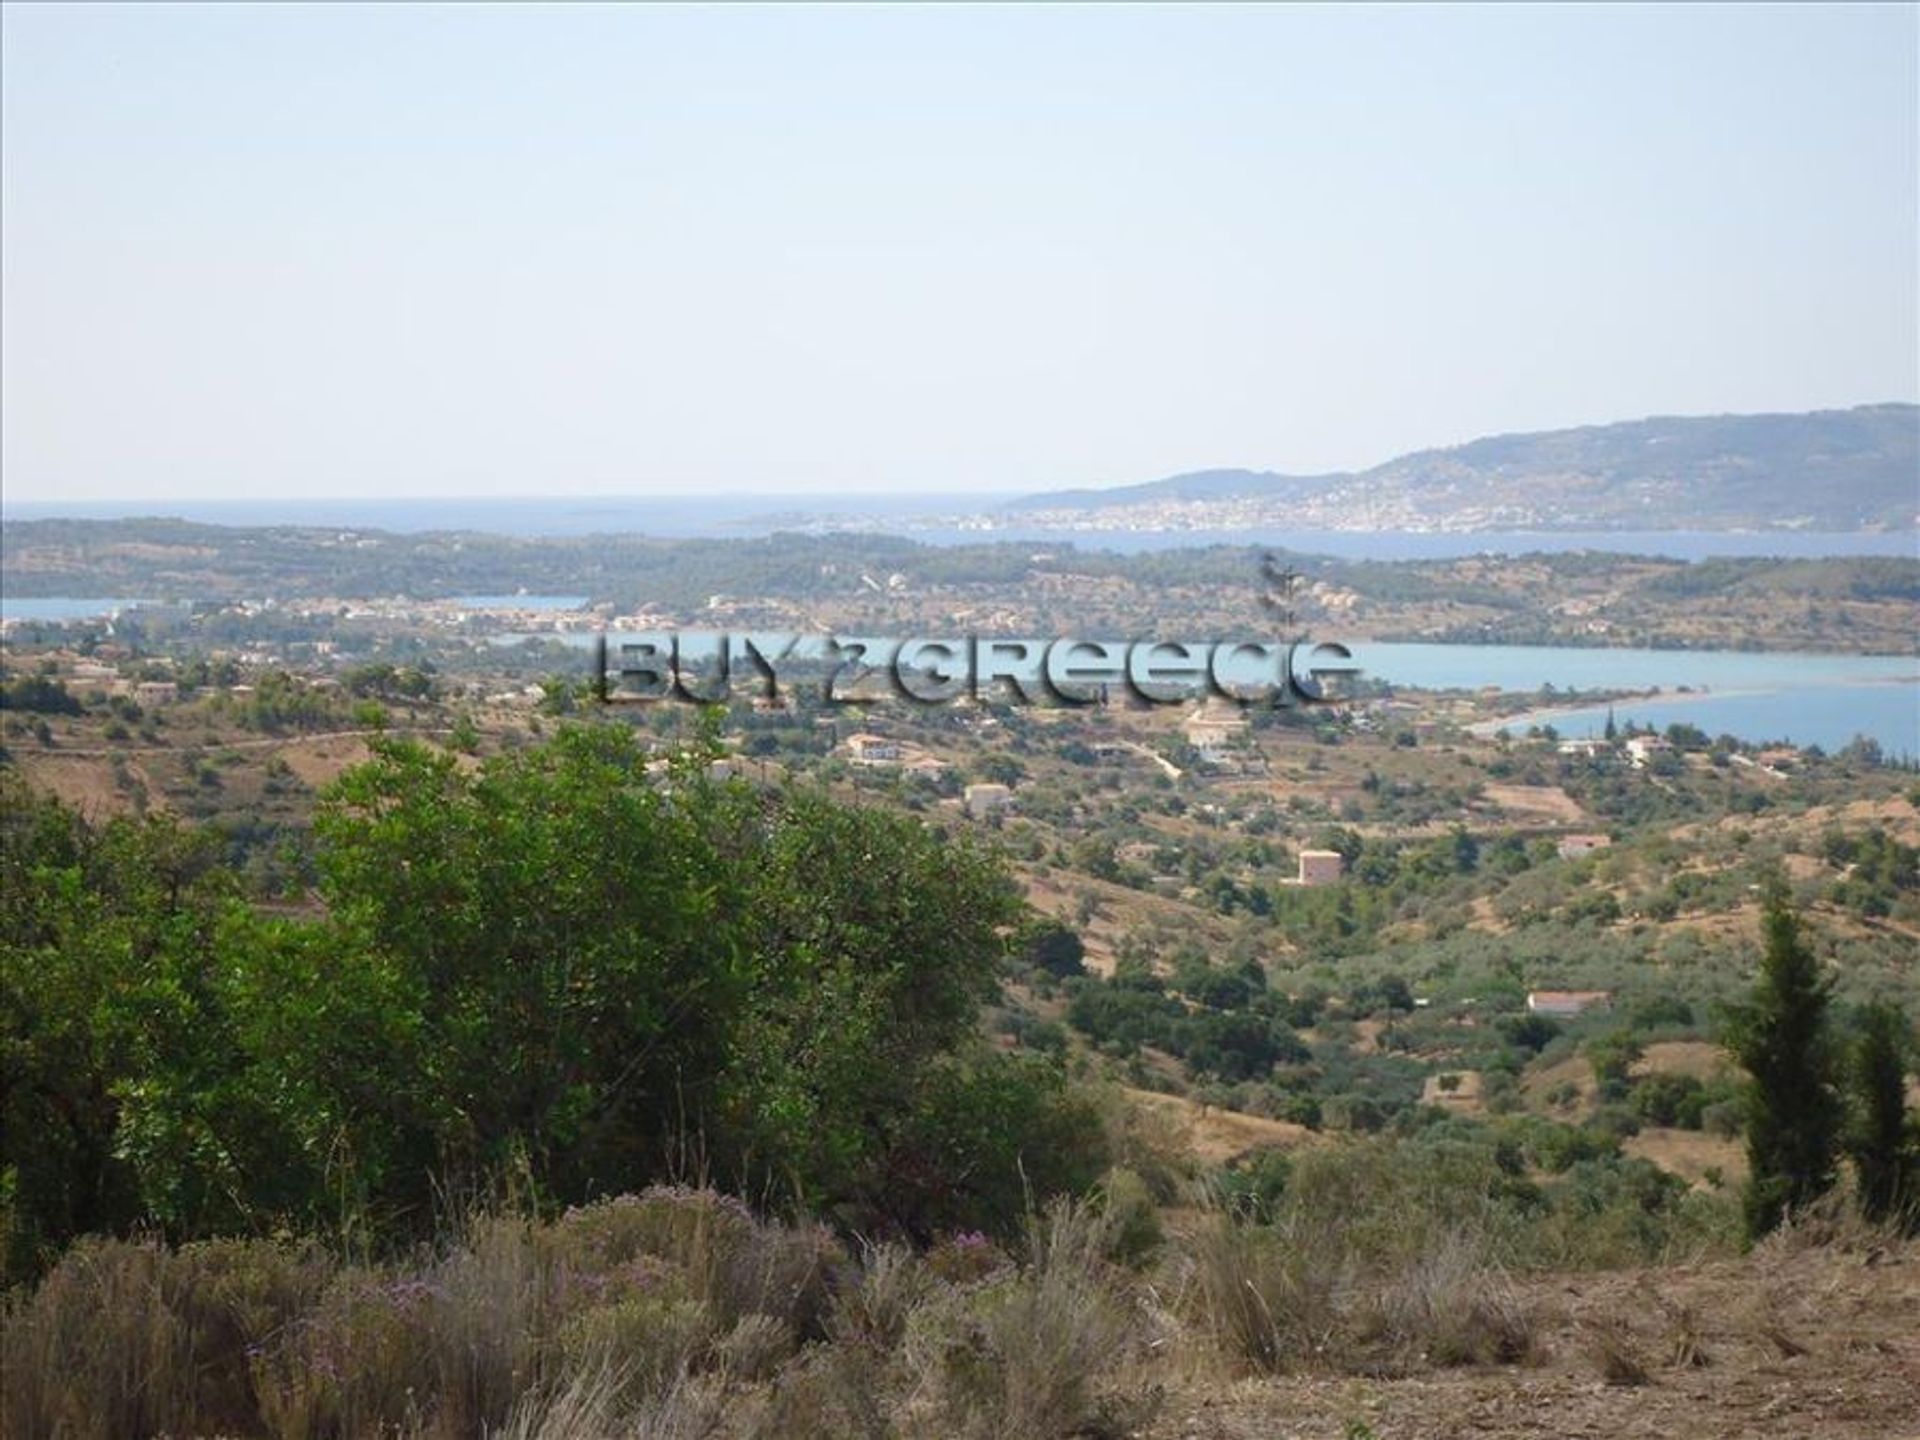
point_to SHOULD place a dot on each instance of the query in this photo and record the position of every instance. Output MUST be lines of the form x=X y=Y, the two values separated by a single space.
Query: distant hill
x=1193 y=485
x=1853 y=469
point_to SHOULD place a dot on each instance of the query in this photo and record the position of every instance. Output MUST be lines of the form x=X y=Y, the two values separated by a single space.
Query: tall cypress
x=1881 y=1145
x=1793 y=1109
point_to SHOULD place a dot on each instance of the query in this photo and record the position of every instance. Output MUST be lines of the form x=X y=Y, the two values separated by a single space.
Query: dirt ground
x=1537 y=802
x=1691 y=1154
x=1799 y=1344
x=1219 y=1136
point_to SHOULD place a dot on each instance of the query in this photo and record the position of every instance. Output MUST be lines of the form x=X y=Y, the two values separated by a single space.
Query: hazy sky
x=373 y=250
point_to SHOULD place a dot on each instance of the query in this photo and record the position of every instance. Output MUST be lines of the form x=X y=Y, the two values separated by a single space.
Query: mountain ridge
x=1853 y=469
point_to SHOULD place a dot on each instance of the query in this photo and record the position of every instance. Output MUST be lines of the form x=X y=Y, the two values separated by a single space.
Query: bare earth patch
x=1813 y=1345
x=1543 y=802
x=319 y=762
x=1575 y=1070
x=1216 y=1137
x=1690 y=1154
x=1464 y=1096
x=1701 y=1059
x=84 y=782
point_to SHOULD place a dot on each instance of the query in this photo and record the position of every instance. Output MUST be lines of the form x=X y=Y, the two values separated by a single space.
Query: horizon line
x=1050 y=488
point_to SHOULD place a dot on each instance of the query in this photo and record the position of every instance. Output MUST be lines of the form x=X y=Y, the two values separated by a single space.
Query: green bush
x=1133 y=1217
x=1676 y=1100
x=555 y=961
x=1252 y=1188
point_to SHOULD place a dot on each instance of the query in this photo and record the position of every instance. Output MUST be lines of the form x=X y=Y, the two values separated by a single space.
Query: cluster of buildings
x=887 y=753
x=94 y=676
x=980 y=801
x=1639 y=749
x=1217 y=734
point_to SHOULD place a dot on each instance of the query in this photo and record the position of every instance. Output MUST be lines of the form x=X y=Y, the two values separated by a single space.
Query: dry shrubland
x=679 y=1312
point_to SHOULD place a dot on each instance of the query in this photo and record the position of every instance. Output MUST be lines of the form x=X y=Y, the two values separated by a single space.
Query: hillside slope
x=1825 y=470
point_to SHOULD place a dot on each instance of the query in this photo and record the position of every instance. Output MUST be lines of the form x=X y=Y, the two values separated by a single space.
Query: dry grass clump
x=1685 y=1339
x=1450 y=1306
x=871 y=1310
x=588 y=1406
x=129 y=1337
x=492 y=1297
x=1020 y=1352
x=360 y=1362
x=1831 y=1223
x=1616 y=1351
x=1295 y=1296
x=1269 y=1296
x=732 y=1264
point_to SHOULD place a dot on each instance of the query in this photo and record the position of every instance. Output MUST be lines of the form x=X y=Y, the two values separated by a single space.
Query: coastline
x=1550 y=714
x=1553 y=714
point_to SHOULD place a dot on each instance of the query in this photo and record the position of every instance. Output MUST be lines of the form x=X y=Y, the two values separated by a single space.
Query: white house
x=1214 y=731
x=1566 y=1004
x=1587 y=748
x=1642 y=748
x=1321 y=867
x=873 y=750
x=1576 y=847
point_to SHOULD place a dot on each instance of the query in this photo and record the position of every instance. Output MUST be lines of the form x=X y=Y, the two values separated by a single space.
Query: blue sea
x=61 y=608
x=1823 y=700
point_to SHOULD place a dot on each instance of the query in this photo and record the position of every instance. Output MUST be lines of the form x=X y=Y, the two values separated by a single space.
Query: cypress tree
x=1793 y=1109
x=1880 y=1144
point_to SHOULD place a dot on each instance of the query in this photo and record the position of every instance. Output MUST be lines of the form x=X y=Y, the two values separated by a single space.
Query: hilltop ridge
x=1856 y=469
